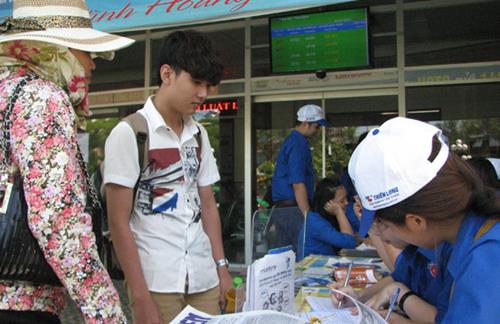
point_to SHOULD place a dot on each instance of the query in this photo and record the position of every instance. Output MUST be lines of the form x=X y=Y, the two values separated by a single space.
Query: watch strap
x=222 y=263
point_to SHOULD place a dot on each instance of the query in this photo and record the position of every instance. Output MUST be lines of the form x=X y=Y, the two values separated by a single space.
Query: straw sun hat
x=60 y=22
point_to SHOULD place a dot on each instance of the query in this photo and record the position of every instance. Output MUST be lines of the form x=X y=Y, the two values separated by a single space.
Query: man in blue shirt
x=293 y=178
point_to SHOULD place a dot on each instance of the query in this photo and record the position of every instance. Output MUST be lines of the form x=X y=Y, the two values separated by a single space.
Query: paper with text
x=190 y=315
x=325 y=312
x=270 y=283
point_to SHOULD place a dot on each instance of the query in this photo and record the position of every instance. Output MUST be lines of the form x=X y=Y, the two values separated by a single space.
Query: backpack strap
x=198 y=138
x=139 y=125
x=485 y=227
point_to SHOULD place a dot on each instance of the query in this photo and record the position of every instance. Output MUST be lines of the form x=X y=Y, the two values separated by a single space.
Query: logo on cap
x=382 y=197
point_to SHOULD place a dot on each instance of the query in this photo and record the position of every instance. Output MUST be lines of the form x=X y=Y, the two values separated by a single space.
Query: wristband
x=407 y=294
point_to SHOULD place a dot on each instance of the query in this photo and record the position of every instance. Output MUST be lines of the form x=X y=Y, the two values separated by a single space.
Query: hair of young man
x=192 y=52
x=454 y=191
x=324 y=192
x=486 y=171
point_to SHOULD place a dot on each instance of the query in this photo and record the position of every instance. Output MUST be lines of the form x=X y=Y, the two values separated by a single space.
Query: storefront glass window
x=350 y=117
x=261 y=65
x=453 y=34
x=468 y=113
x=223 y=119
x=126 y=70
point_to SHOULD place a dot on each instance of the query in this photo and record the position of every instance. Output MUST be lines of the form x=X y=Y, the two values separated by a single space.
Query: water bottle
x=235 y=296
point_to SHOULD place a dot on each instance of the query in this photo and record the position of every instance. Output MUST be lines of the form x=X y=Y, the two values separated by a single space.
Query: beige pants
x=171 y=304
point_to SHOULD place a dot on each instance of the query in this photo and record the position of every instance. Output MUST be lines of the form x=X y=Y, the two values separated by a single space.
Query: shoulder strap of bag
x=7 y=122
x=485 y=227
x=139 y=125
x=198 y=138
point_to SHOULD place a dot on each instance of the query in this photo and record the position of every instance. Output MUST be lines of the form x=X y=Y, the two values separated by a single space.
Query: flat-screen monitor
x=320 y=41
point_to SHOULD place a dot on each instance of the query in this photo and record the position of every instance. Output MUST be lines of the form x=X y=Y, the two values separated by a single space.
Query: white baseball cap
x=392 y=163
x=312 y=114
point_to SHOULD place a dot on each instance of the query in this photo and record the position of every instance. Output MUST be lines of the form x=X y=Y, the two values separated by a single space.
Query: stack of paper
x=193 y=316
x=270 y=283
x=323 y=311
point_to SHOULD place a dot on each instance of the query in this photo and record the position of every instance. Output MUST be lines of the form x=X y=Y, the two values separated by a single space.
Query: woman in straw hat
x=415 y=190
x=45 y=50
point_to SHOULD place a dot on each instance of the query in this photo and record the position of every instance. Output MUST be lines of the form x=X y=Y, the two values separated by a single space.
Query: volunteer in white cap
x=293 y=178
x=415 y=190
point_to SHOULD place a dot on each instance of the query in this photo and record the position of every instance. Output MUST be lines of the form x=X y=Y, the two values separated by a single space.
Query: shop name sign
x=121 y=15
x=221 y=106
x=168 y=7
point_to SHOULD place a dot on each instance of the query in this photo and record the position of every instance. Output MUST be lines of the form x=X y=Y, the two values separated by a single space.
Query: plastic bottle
x=235 y=296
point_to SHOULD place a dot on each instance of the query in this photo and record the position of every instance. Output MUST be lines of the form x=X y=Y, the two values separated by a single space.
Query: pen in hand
x=392 y=304
x=346 y=282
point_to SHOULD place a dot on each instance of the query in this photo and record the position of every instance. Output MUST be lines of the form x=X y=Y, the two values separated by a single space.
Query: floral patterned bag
x=21 y=258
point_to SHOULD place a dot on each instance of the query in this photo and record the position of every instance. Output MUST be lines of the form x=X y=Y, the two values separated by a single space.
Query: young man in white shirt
x=168 y=237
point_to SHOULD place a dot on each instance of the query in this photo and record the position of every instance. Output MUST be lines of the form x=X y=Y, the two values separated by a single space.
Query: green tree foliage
x=480 y=134
x=339 y=146
x=340 y=143
x=98 y=130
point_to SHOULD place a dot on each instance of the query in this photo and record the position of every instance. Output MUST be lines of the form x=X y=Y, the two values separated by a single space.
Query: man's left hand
x=225 y=283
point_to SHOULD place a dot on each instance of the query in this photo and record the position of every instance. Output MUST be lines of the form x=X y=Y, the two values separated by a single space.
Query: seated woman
x=431 y=196
x=327 y=229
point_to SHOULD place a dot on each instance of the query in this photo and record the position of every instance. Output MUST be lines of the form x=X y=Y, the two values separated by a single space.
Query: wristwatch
x=222 y=263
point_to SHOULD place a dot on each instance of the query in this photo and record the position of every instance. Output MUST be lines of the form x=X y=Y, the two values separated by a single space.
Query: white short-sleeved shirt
x=166 y=220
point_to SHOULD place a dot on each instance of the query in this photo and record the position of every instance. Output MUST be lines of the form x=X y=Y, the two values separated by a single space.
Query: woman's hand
x=333 y=207
x=382 y=299
x=336 y=297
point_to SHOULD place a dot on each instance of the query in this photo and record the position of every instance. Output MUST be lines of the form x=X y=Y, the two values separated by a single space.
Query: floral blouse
x=44 y=147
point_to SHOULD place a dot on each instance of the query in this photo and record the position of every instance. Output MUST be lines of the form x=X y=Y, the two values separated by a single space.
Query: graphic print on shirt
x=166 y=174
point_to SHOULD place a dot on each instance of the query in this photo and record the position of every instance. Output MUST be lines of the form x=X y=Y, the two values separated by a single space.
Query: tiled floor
x=71 y=314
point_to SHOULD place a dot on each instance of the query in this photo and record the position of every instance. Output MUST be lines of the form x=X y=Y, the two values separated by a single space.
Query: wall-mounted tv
x=320 y=41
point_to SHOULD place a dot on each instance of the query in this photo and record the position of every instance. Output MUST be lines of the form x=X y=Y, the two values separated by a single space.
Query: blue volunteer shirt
x=322 y=238
x=294 y=165
x=424 y=271
x=474 y=264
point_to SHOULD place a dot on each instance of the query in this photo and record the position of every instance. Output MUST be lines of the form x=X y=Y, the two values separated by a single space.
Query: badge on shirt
x=433 y=269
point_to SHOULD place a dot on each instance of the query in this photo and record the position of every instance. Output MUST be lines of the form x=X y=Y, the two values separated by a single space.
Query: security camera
x=320 y=74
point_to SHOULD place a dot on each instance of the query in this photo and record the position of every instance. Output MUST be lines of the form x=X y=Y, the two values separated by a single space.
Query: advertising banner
x=122 y=15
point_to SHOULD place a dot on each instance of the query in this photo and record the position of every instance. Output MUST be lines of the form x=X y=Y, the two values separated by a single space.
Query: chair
x=275 y=227
x=233 y=231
